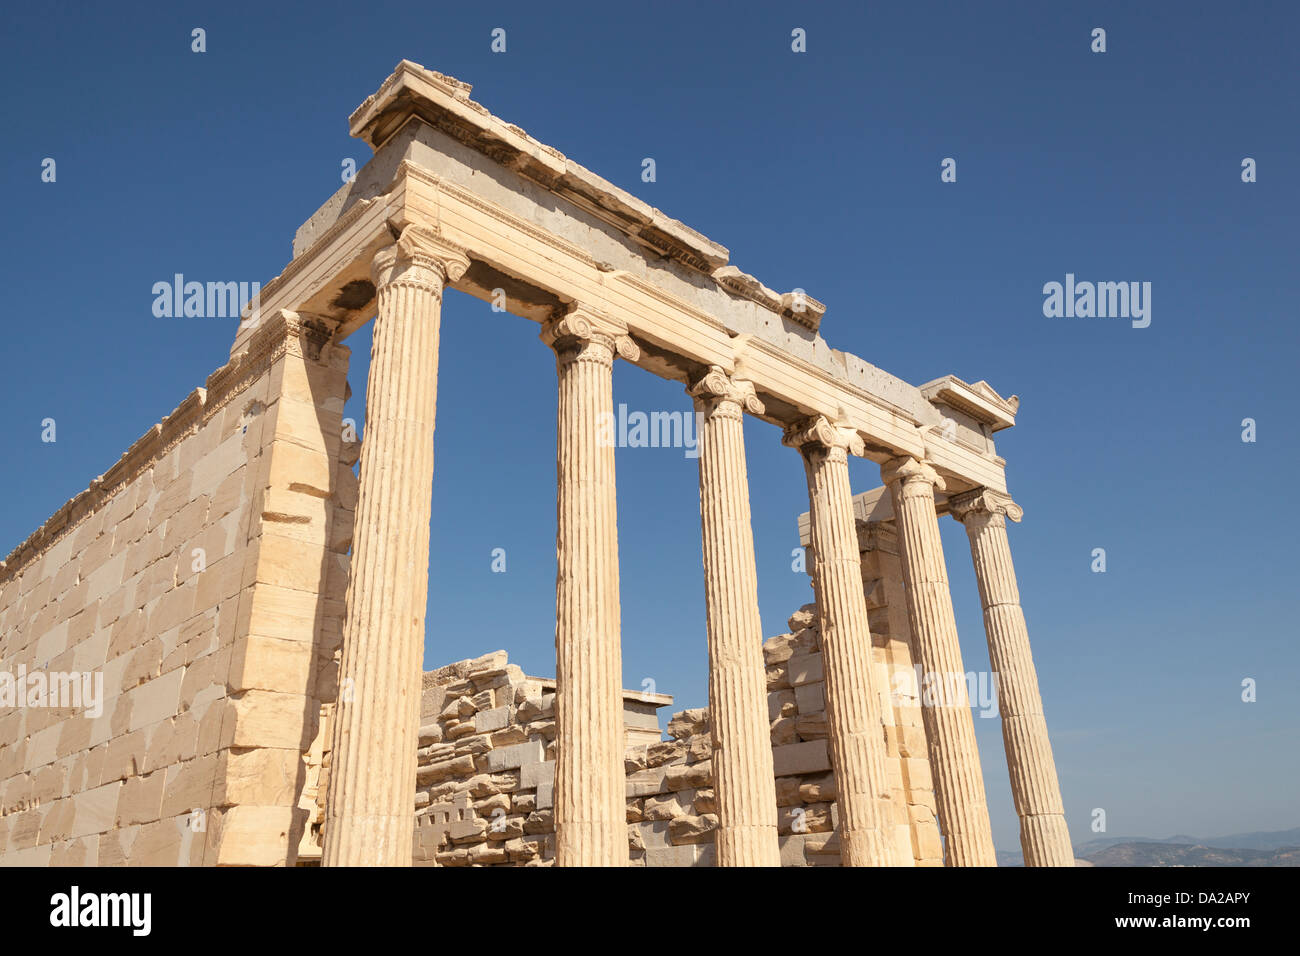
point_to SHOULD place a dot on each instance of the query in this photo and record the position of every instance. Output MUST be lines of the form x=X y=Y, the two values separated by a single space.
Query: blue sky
x=818 y=170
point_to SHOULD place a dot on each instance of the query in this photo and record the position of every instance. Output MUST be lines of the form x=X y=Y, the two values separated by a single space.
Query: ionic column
x=590 y=782
x=742 y=738
x=368 y=818
x=857 y=735
x=1044 y=837
x=949 y=730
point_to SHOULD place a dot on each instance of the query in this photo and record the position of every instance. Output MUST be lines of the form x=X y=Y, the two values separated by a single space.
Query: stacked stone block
x=485 y=778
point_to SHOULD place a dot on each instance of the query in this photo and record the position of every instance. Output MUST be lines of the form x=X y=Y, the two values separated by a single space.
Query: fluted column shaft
x=590 y=782
x=368 y=811
x=945 y=705
x=853 y=716
x=742 y=742
x=1044 y=836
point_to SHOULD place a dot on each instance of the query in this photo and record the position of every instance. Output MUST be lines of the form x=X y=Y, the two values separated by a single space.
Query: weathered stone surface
x=809 y=757
x=783 y=731
x=805 y=617
x=812 y=726
x=689 y=776
x=688 y=723
x=692 y=829
x=667 y=752
x=508 y=758
x=457 y=766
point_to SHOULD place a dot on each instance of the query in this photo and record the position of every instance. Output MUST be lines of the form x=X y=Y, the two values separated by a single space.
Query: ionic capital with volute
x=818 y=434
x=985 y=505
x=718 y=393
x=584 y=334
x=420 y=258
x=907 y=470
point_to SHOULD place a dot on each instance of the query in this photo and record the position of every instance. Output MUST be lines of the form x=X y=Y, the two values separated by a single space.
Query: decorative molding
x=443 y=103
x=799 y=307
x=980 y=401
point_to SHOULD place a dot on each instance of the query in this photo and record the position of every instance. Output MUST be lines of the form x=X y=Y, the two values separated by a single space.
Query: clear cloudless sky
x=818 y=170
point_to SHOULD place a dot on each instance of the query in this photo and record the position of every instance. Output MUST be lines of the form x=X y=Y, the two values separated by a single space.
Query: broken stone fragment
x=812 y=726
x=688 y=723
x=818 y=789
x=459 y=708
x=692 y=829
x=783 y=731
x=634 y=759
x=430 y=734
x=534 y=708
x=806 y=616
x=540 y=821
x=665 y=752
x=689 y=776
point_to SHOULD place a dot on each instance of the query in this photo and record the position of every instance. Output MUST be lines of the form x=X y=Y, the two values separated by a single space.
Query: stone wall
x=186 y=583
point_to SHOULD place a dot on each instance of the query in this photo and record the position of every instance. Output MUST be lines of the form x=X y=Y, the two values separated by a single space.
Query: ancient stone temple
x=255 y=608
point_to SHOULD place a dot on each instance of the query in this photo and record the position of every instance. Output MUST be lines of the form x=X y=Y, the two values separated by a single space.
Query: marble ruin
x=257 y=609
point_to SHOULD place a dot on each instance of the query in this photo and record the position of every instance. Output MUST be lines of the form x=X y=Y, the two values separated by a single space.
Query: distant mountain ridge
x=1259 y=840
x=1259 y=848
x=1181 y=854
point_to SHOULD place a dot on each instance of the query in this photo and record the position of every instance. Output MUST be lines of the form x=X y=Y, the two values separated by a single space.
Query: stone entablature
x=548 y=245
